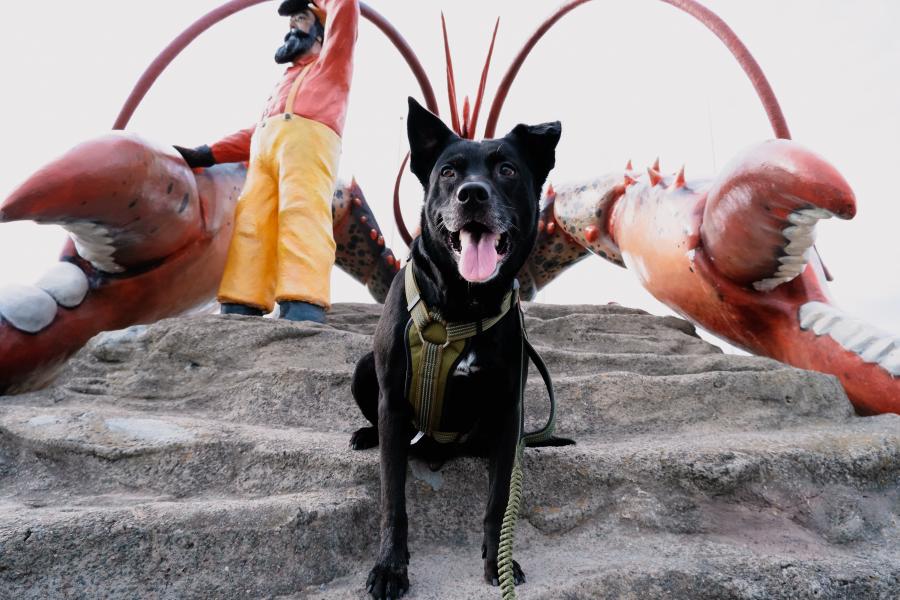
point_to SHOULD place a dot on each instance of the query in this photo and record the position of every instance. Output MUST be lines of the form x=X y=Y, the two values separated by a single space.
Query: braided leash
x=508 y=529
x=516 y=482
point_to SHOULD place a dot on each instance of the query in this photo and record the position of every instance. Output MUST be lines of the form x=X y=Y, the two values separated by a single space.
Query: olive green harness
x=435 y=348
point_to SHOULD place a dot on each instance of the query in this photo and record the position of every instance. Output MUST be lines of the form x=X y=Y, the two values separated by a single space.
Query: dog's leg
x=388 y=578
x=364 y=388
x=501 y=458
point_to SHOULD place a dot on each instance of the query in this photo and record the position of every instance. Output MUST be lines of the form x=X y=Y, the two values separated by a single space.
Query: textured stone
x=207 y=457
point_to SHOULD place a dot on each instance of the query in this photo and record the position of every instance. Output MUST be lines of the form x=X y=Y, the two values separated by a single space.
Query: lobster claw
x=125 y=202
x=761 y=212
x=731 y=255
x=148 y=239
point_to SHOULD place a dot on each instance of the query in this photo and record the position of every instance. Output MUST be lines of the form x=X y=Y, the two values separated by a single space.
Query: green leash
x=516 y=481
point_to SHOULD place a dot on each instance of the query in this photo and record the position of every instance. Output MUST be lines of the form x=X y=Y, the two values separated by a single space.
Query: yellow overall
x=283 y=245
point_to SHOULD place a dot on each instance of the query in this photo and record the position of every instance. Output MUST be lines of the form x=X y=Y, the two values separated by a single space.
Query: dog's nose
x=473 y=190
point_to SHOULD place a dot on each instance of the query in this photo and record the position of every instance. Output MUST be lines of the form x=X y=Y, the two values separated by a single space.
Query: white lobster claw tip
x=66 y=283
x=27 y=308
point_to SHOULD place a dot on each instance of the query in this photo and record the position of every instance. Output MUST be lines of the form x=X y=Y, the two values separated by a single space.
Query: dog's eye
x=447 y=171
x=507 y=170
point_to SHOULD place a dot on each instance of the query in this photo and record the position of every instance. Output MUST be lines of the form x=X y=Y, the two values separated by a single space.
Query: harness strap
x=422 y=317
x=436 y=335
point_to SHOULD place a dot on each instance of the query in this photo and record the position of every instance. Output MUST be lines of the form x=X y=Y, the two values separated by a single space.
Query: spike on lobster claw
x=655 y=166
x=655 y=176
x=629 y=166
x=679 y=179
x=550 y=191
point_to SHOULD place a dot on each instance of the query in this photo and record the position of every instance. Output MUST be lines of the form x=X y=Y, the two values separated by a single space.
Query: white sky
x=628 y=80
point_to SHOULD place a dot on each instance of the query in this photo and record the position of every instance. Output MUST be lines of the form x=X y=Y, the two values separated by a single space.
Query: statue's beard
x=296 y=44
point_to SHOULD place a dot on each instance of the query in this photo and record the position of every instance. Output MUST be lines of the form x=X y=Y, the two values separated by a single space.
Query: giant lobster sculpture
x=735 y=255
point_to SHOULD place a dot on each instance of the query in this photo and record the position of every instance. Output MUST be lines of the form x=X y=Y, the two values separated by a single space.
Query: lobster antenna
x=518 y=61
x=467 y=130
x=484 y=74
x=708 y=18
x=398 y=215
x=451 y=81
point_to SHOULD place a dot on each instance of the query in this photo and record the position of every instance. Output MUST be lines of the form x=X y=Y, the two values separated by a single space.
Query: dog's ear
x=428 y=136
x=537 y=143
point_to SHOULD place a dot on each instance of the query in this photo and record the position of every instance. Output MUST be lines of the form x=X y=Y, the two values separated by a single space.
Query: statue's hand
x=201 y=156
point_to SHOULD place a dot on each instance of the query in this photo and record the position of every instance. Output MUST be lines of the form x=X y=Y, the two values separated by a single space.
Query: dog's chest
x=477 y=385
x=471 y=364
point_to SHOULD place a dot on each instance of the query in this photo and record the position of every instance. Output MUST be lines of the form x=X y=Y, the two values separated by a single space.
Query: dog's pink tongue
x=478 y=258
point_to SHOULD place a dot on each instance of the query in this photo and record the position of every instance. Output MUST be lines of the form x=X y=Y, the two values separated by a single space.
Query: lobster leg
x=361 y=250
x=554 y=251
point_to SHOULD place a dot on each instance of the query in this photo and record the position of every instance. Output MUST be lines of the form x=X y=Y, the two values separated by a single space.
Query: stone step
x=182 y=362
x=619 y=334
x=610 y=402
x=657 y=567
x=208 y=458
x=216 y=547
x=54 y=460
x=538 y=310
x=569 y=362
x=321 y=544
x=80 y=451
x=621 y=403
x=838 y=483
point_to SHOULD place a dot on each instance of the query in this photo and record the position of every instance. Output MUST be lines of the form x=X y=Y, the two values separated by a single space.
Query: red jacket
x=323 y=93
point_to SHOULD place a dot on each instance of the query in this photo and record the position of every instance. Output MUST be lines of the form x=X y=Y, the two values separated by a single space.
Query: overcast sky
x=629 y=80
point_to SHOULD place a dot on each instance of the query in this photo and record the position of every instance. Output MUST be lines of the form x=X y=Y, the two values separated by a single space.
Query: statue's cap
x=292 y=7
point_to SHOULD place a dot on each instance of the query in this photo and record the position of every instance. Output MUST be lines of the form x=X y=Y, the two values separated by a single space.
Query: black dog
x=479 y=225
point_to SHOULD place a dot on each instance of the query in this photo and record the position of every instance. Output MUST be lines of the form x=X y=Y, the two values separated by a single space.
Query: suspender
x=292 y=94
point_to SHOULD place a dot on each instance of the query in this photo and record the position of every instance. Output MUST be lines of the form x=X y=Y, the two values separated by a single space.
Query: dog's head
x=481 y=198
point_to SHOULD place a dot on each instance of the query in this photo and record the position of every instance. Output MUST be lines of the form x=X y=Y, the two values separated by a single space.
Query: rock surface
x=207 y=458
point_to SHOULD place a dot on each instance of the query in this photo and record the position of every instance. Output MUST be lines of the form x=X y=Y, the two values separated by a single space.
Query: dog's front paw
x=364 y=438
x=387 y=582
x=492 y=575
